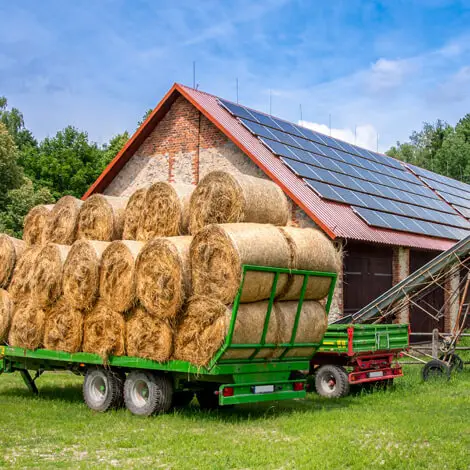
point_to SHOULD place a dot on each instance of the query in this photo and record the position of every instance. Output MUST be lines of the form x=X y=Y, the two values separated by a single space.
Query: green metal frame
x=243 y=372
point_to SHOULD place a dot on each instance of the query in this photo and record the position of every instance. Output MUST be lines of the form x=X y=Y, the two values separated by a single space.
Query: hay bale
x=148 y=337
x=63 y=221
x=310 y=250
x=132 y=214
x=11 y=250
x=63 y=329
x=6 y=309
x=46 y=283
x=36 y=223
x=163 y=275
x=312 y=325
x=224 y=198
x=104 y=332
x=81 y=274
x=27 y=326
x=117 y=276
x=21 y=282
x=102 y=218
x=218 y=252
x=165 y=211
x=205 y=324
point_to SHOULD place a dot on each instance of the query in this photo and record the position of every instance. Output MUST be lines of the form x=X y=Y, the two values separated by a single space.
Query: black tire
x=102 y=389
x=436 y=369
x=331 y=381
x=455 y=362
x=207 y=399
x=146 y=393
x=182 y=399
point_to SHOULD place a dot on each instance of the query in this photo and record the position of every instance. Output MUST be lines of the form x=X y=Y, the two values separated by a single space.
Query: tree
x=14 y=122
x=144 y=117
x=65 y=164
x=20 y=201
x=111 y=149
x=10 y=171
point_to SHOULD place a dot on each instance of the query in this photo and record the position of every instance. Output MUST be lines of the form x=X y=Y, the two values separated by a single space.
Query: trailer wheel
x=146 y=393
x=102 y=389
x=331 y=381
x=435 y=369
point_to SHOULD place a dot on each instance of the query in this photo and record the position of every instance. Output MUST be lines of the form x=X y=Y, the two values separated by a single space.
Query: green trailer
x=359 y=355
x=147 y=387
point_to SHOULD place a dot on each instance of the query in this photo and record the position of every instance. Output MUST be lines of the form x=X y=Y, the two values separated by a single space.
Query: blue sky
x=381 y=67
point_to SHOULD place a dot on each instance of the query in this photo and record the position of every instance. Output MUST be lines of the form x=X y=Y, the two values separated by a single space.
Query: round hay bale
x=102 y=218
x=36 y=223
x=63 y=220
x=6 y=309
x=132 y=214
x=117 y=276
x=104 y=332
x=205 y=324
x=63 y=330
x=11 y=250
x=163 y=275
x=21 y=282
x=46 y=284
x=81 y=274
x=27 y=326
x=165 y=211
x=221 y=197
x=218 y=252
x=311 y=328
x=313 y=251
x=148 y=337
x=202 y=331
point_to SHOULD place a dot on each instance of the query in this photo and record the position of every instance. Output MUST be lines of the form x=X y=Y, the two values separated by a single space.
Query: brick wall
x=401 y=270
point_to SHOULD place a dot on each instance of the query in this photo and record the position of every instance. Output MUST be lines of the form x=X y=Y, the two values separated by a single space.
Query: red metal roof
x=337 y=220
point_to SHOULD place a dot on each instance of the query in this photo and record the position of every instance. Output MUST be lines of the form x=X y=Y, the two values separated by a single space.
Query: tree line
x=33 y=172
x=439 y=147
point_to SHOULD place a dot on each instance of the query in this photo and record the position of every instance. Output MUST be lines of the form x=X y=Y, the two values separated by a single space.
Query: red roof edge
x=131 y=146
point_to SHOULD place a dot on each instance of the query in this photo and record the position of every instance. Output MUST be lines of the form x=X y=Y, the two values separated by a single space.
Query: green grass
x=413 y=425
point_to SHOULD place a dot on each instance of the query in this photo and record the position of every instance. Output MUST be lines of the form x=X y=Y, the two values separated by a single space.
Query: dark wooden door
x=434 y=300
x=367 y=274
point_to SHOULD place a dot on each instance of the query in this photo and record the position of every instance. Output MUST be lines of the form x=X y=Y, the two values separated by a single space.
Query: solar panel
x=452 y=191
x=380 y=189
x=396 y=222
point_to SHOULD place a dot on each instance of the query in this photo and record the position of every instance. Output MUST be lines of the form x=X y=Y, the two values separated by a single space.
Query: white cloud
x=364 y=135
x=386 y=74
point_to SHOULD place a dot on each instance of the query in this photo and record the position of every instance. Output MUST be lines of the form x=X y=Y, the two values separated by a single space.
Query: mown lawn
x=413 y=425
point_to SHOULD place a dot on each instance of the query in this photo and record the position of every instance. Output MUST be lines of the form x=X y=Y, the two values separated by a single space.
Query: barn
x=388 y=218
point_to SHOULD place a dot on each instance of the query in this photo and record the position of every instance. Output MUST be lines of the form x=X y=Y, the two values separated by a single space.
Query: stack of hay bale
x=155 y=275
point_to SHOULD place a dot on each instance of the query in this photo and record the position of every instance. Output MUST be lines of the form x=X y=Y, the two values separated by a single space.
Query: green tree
x=65 y=164
x=111 y=149
x=14 y=122
x=10 y=171
x=20 y=201
x=144 y=117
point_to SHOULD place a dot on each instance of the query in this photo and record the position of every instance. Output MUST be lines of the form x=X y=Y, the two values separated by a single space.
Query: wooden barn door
x=421 y=322
x=367 y=274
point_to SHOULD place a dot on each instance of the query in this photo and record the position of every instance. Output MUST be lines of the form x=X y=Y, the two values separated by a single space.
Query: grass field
x=412 y=425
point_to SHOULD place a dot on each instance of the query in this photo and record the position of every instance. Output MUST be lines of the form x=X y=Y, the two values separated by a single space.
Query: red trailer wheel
x=331 y=381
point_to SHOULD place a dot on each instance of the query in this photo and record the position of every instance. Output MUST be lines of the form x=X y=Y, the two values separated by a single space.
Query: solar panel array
x=378 y=188
x=454 y=192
